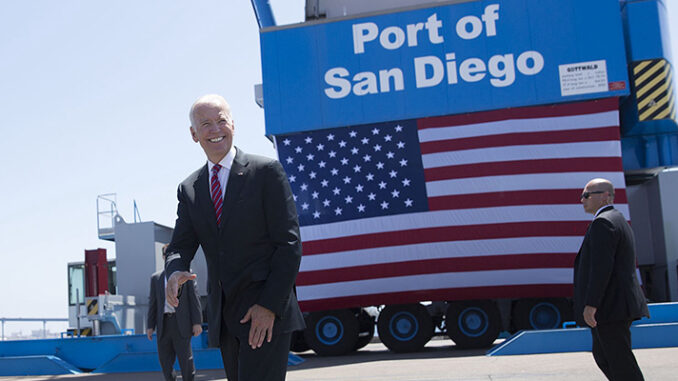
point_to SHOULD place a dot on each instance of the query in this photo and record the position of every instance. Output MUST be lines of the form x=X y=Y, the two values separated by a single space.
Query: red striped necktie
x=217 y=198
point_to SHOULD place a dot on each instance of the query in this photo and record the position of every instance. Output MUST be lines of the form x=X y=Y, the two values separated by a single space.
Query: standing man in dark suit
x=175 y=325
x=607 y=295
x=240 y=209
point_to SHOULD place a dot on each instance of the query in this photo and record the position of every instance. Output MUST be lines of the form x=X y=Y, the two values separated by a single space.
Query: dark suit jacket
x=254 y=256
x=188 y=313
x=605 y=271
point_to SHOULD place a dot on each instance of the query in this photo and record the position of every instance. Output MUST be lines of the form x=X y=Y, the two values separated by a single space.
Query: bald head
x=601 y=184
x=597 y=193
x=209 y=99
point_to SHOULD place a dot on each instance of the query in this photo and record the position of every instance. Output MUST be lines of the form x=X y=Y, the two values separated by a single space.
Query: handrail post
x=77 y=310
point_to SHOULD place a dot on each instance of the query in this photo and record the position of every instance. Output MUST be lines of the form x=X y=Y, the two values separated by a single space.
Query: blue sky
x=94 y=99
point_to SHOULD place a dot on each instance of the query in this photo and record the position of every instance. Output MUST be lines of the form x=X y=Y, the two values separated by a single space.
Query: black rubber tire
x=365 y=330
x=547 y=313
x=298 y=343
x=405 y=328
x=332 y=333
x=473 y=324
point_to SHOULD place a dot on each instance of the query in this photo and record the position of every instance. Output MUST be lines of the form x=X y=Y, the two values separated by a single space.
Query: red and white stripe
x=215 y=191
x=505 y=218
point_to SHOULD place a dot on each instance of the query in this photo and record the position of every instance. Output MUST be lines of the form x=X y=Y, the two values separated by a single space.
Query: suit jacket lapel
x=203 y=199
x=588 y=229
x=161 y=289
x=236 y=179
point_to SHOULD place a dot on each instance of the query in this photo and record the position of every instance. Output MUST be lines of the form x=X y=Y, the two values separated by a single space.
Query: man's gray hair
x=213 y=99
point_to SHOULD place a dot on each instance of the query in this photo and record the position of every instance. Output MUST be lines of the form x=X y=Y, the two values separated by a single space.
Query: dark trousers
x=171 y=346
x=612 y=352
x=242 y=363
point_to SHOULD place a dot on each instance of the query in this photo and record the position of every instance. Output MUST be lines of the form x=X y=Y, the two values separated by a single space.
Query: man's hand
x=590 y=316
x=149 y=333
x=262 y=325
x=197 y=329
x=175 y=280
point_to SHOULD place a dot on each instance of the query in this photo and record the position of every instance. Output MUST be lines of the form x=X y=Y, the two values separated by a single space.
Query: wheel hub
x=404 y=326
x=329 y=330
x=473 y=322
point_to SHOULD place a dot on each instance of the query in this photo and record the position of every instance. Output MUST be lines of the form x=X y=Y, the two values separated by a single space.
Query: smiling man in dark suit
x=240 y=209
x=607 y=294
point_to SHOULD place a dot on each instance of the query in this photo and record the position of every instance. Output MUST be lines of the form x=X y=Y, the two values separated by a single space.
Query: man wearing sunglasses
x=607 y=294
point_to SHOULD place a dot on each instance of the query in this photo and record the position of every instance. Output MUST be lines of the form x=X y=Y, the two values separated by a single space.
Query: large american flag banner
x=473 y=206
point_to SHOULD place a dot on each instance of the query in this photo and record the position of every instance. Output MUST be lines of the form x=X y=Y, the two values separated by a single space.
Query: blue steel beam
x=263 y=13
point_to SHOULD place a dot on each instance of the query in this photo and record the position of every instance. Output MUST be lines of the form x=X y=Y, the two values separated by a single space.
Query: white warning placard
x=583 y=78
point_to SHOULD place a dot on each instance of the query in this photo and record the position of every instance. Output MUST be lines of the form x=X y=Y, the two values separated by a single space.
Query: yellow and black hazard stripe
x=653 y=81
x=92 y=309
x=92 y=306
x=72 y=332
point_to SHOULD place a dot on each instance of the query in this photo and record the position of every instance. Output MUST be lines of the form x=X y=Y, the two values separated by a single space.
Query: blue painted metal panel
x=655 y=335
x=206 y=358
x=660 y=331
x=652 y=150
x=647 y=27
x=652 y=143
x=311 y=71
x=660 y=313
x=545 y=341
x=101 y=354
x=85 y=353
x=35 y=366
x=293 y=359
x=579 y=339
x=92 y=352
